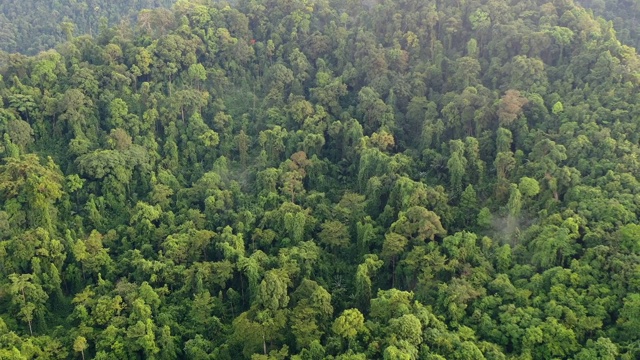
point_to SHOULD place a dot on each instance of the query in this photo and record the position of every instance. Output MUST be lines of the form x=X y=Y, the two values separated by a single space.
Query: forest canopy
x=32 y=26
x=320 y=179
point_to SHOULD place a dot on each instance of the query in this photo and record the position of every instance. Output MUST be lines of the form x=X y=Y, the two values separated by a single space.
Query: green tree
x=418 y=224
x=363 y=283
x=349 y=324
x=628 y=319
x=80 y=345
x=36 y=187
x=456 y=165
x=393 y=246
x=28 y=298
x=334 y=234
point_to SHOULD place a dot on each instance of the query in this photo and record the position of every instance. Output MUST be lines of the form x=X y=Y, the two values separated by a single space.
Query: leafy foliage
x=322 y=180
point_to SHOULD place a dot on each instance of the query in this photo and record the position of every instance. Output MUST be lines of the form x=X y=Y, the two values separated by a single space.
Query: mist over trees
x=32 y=26
x=319 y=179
x=624 y=14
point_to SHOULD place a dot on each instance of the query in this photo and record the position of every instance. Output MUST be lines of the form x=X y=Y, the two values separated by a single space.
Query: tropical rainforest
x=322 y=179
x=624 y=14
x=31 y=26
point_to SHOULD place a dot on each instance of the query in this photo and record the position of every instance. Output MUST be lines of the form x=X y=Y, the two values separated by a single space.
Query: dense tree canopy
x=36 y=25
x=319 y=179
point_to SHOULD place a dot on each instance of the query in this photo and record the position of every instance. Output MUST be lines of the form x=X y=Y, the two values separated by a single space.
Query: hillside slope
x=312 y=179
x=32 y=26
x=625 y=15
